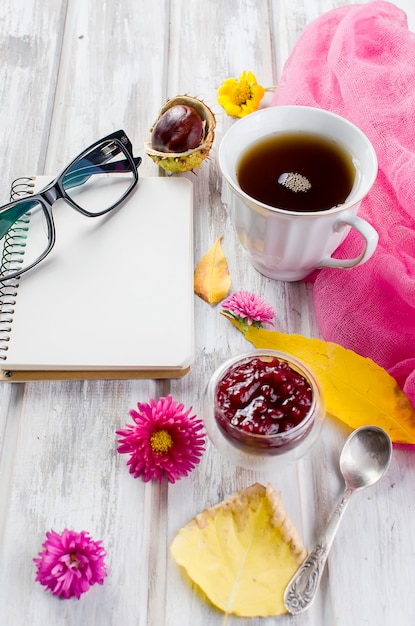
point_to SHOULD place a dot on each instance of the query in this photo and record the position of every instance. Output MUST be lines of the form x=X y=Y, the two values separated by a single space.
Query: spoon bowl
x=363 y=461
x=365 y=457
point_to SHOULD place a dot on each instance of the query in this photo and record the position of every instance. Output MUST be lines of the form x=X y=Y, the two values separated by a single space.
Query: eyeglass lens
x=18 y=250
x=100 y=178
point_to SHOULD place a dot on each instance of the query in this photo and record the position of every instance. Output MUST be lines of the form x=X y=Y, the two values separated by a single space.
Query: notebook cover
x=114 y=298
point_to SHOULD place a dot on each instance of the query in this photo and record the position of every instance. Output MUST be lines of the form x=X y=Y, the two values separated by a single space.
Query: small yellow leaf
x=243 y=552
x=212 y=280
x=356 y=390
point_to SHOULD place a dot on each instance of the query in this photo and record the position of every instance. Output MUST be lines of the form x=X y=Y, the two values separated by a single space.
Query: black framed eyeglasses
x=97 y=181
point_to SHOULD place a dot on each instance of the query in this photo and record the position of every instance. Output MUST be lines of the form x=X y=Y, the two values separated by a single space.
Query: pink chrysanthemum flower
x=248 y=308
x=70 y=563
x=164 y=440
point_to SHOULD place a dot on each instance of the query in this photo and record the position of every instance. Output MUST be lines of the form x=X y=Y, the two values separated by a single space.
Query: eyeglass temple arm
x=79 y=176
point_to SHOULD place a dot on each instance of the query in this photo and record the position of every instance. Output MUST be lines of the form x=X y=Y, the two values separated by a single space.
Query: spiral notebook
x=113 y=299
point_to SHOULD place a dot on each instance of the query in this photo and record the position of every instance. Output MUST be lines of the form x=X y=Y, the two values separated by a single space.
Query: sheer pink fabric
x=359 y=61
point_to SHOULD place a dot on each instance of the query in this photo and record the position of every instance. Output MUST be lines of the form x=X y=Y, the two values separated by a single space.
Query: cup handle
x=368 y=233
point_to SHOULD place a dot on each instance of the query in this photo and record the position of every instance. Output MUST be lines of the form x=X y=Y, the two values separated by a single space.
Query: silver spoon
x=364 y=460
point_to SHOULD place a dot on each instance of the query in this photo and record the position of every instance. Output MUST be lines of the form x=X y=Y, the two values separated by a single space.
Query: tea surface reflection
x=297 y=171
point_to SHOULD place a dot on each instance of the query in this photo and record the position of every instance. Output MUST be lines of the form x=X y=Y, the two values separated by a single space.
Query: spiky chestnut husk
x=190 y=159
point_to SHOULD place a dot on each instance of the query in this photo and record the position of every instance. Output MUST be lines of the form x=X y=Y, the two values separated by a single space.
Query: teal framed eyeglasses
x=97 y=181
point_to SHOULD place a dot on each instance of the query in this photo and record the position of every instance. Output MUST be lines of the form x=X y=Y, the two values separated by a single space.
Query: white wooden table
x=72 y=71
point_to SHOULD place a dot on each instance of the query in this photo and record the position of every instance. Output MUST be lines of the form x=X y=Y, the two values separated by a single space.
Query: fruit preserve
x=264 y=401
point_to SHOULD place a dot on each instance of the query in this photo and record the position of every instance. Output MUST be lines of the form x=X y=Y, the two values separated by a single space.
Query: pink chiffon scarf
x=359 y=62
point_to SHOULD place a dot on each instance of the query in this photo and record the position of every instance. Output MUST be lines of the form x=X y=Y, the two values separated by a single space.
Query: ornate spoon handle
x=302 y=588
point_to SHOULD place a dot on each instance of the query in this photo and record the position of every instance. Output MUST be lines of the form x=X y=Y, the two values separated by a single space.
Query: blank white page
x=116 y=292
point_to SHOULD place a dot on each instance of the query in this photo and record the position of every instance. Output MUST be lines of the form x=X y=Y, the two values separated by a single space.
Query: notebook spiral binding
x=13 y=248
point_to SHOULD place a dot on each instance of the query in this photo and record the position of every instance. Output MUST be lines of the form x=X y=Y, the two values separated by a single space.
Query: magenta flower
x=70 y=563
x=248 y=308
x=163 y=440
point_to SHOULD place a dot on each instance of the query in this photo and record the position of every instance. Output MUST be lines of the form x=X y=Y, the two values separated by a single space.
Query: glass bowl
x=263 y=408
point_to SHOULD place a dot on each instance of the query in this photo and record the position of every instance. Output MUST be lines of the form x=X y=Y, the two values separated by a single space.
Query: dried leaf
x=243 y=552
x=356 y=390
x=212 y=280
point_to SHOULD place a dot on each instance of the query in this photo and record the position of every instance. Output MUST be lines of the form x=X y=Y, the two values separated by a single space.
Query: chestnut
x=177 y=130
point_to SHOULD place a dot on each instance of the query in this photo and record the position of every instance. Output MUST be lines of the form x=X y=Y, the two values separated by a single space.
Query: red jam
x=262 y=397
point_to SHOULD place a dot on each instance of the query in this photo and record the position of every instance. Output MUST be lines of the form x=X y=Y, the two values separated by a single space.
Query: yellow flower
x=242 y=96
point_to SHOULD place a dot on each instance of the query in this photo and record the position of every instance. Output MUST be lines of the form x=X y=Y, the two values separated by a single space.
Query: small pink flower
x=70 y=563
x=163 y=440
x=249 y=308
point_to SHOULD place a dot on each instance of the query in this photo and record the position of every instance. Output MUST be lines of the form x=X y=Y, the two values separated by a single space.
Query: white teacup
x=287 y=245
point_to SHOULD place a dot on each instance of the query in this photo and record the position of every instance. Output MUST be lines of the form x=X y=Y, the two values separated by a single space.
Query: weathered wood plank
x=74 y=71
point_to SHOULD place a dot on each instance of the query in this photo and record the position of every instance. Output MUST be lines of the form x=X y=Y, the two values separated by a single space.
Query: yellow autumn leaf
x=212 y=280
x=242 y=552
x=356 y=390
